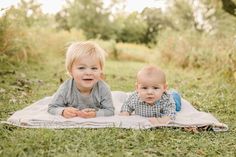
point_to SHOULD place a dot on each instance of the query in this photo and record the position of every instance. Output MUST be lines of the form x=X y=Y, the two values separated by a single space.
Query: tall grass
x=195 y=50
x=53 y=41
x=23 y=43
x=15 y=41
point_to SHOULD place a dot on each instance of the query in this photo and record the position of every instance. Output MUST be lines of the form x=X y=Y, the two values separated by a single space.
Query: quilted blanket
x=36 y=116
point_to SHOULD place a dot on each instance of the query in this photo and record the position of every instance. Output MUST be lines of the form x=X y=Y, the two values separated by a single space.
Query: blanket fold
x=36 y=116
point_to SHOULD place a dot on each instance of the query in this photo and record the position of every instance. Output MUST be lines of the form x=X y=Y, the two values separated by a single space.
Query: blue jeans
x=177 y=98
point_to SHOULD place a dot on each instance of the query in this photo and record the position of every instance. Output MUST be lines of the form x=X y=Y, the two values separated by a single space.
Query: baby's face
x=86 y=72
x=149 y=89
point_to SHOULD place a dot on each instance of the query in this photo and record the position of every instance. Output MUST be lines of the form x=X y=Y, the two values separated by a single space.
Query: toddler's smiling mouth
x=88 y=79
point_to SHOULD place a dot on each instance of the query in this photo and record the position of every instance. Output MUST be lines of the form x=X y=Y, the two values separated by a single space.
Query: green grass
x=24 y=83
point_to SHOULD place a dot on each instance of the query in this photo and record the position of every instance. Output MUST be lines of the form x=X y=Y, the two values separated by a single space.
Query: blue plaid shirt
x=162 y=107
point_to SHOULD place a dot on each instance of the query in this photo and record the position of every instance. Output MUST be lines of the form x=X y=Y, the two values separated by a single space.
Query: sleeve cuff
x=101 y=112
x=57 y=111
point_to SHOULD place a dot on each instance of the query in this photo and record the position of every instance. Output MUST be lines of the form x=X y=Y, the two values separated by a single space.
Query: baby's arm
x=127 y=108
x=168 y=112
x=168 y=108
x=159 y=121
x=124 y=114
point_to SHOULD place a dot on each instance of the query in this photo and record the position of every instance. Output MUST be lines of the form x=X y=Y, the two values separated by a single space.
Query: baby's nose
x=150 y=91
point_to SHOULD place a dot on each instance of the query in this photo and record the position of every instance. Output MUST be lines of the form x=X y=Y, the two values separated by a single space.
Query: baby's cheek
x=158 y=95
x=141 y=96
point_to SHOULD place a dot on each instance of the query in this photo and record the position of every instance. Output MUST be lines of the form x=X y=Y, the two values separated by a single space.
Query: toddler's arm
x=69 y=112
x=87 y=113
x=57 y=105
x=59 y=101
x=107 y=108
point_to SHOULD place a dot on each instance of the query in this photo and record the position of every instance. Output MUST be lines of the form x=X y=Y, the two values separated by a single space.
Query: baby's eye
x=156 y=87
x=144 y=88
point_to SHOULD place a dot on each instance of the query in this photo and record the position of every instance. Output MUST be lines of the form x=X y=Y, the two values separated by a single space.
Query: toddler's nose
x=88 y=71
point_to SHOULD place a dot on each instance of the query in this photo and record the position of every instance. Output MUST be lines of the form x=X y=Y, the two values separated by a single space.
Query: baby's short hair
x=79 y=49
x=152 y=71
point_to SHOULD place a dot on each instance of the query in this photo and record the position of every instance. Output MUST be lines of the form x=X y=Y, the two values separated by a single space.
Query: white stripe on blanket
x=36 y=116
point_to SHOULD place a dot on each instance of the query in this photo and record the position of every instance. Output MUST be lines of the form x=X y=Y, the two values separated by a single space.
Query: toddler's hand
x=89 y=110
x=159 y=121
x=69 y=112
x=87 y=113
x=124 y=114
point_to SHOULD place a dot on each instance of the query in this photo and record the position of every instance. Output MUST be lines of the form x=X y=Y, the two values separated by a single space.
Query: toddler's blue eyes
x=84 y=68
x=81 y=68
x=94 y=68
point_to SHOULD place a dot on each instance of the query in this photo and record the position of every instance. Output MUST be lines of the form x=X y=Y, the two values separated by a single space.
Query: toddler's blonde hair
x=80 y=49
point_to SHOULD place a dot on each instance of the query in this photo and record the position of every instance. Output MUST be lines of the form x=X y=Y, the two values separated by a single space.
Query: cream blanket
x=36 y=116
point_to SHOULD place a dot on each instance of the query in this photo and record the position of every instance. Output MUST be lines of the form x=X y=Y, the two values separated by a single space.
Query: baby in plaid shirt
x=151 y=98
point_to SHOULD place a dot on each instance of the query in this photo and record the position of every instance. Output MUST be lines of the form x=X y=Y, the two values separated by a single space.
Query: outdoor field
x=201 y=66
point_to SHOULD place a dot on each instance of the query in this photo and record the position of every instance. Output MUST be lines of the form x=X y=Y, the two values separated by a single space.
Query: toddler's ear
x=70 y=73
x=102 y=76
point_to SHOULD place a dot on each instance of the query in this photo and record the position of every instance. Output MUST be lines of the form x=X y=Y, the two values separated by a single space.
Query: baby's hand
x=124 y=114
x=69 y=112
x=159 y=121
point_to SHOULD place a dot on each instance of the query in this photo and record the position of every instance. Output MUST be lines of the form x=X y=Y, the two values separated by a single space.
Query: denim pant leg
x=177 y=98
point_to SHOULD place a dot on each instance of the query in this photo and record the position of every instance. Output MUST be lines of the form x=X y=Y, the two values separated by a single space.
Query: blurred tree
x=133 y=28
x=27 y=13
x=91 y=17
x=203 y=15
x=62 y=19
x=181 y=15
x=153 y=18
x=229 y=6
x=156 y=21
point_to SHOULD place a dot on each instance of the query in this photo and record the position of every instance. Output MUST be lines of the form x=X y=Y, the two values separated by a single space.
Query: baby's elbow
x=173 y=117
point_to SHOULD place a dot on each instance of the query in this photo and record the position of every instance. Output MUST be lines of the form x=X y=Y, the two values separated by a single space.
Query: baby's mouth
x=149 y=99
